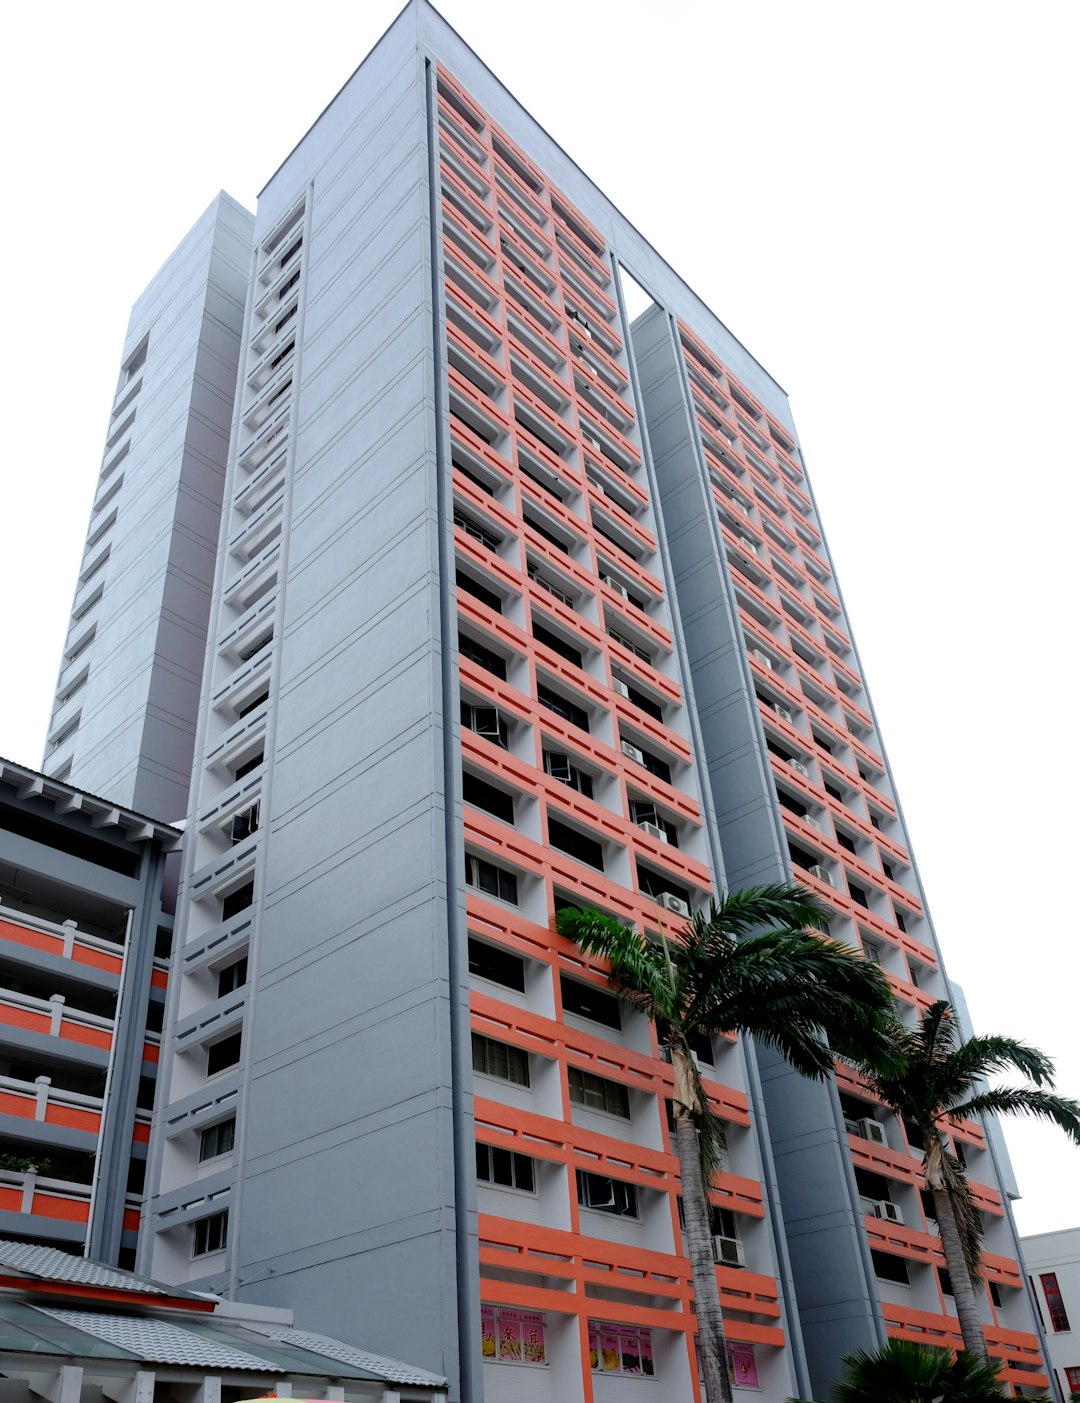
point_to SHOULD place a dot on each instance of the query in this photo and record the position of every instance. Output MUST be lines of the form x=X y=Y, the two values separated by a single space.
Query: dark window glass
x=232 y=976
x=606 y=1195
x=486 y=877
x=496 y=1059
x=482 y=656
x=223 y=1054
x=217 y=1139
x=479 y=591
x=568 y=710
x=237 y=900
x=500 y=966
x=209 y=1234
x=495 y=1165
x=556 y=644
x=589 y=1002
x=569 y=840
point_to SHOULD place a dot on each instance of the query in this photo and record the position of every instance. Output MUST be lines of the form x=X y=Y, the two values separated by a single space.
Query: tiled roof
x=160 y=1342
x=52 y=1264
x=393 y=1370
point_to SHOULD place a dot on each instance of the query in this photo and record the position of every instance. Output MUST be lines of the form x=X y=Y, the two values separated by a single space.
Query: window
x=232 y=976
x=556 y=644
x=248 y=765
x=888 y=1267
x=486 y=722
x=568 y=840
x=478 y=591
x=474 y=529
x=250 y=706
x=1072 y=1378
x=512 y=1336
x=643 y=813
x=222 y=1055
x=599 y=1094
x=589 y=1002
x=217 y=1139
x=209 y=1234
x=620 y=1349
x=481 y=656
x=576 y=715
x=495 y=1059
x=486 y=877
x=504 y=1167
x=1055 y=1303
x=237 y=900
x=559 y=767
x=606 y=1195
x=500 y=966
x=244 y=825
x=489 y=797
x=743 y=1365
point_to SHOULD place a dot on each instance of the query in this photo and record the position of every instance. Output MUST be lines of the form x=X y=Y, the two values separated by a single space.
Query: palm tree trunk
x=712 y=1343
x=967 y=1305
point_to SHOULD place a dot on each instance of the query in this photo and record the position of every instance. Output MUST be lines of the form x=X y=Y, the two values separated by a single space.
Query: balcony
x=41 y=1102
x=54 y=1019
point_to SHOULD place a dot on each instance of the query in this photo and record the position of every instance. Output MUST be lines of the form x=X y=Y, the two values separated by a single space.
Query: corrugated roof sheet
x=160 y=1342
x=52 y=1264
x=393 y=1370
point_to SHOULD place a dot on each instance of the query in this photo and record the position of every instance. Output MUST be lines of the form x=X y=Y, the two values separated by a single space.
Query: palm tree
x=786 y=987
x=935 y=1081
x=902 y=1372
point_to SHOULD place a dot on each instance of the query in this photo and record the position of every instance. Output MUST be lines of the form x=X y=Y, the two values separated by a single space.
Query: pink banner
x=743 y=1365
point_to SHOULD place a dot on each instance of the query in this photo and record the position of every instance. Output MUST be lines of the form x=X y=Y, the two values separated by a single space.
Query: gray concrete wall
x=162 y=475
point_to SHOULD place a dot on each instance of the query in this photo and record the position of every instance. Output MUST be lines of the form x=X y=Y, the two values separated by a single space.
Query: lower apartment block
x=84 y=958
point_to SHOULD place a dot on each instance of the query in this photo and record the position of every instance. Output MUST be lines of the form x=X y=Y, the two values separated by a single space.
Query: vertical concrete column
x=29 y=1186
x=70 y=929
x=68 y=1384
x=209 y=1391
x=57 y=1013
x=42 y=1084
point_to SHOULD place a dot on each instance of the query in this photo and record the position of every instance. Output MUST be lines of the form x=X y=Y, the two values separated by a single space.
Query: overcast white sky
x=878 y=200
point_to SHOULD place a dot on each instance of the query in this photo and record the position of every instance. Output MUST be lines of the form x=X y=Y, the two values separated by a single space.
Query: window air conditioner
x=798 y=767
x=620 y=686
x=633 y=752
x=852 y=1126
x=728 y=1251
x=781 y=711
x=749 y=544
x=654 y=829
x=615 y=585
x=670 y=902
x=763 y=658
x=870 y=1129
x=812 y=821
x=889 y=1211
x=822 y=874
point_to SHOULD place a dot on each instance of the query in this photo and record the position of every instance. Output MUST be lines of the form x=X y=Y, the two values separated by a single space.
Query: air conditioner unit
x=812 y=821
x=620 y=686
x=782 y=711
x=728 y=1251
x=763 y=658
x=654 y=830
x=852 y=1126
x=749 y=544
x=633 y=752
x=822 y=874
x=798 y=767
x=889 y=1211
x=871 y=1129
x=670 y=902
x=615 y=585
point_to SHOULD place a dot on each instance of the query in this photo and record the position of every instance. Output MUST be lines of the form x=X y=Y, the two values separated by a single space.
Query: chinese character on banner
x=487 y=1332
x=743 y=1365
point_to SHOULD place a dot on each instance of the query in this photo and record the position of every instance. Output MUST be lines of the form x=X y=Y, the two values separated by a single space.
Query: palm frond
x=639 y=970
x=773 y=904
x=979 y=1057
x=1020 y=1100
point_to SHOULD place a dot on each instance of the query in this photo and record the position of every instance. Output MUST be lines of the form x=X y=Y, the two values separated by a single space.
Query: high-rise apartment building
x=123 y=721
x=519 y=601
